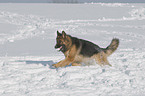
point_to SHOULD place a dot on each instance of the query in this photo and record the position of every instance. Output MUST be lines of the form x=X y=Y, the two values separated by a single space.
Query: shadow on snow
x=44 y=63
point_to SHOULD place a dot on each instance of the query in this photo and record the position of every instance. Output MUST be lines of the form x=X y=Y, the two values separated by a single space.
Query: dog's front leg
x=62 y=63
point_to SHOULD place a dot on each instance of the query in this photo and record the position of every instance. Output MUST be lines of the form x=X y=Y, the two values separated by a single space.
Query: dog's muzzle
x=58 y=47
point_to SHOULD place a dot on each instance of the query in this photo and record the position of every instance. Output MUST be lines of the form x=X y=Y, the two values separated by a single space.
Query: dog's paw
x=55 y=65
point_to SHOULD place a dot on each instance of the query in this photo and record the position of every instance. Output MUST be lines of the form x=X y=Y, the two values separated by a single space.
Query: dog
x=79 y=51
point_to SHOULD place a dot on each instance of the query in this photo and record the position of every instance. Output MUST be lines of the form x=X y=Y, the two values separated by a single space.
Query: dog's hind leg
x=106 y=62
x=101 y=59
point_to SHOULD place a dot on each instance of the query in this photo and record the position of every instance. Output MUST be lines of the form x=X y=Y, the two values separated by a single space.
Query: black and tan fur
x=77 y=50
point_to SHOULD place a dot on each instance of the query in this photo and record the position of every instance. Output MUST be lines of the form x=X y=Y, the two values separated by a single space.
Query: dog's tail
x=112 y=47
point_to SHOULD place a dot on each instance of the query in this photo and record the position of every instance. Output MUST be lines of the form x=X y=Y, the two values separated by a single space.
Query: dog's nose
x=55 y=46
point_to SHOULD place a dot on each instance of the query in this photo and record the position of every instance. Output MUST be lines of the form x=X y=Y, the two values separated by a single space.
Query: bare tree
x=64 y=1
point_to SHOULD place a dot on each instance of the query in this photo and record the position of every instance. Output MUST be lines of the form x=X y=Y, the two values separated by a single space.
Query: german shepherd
x=77 y=50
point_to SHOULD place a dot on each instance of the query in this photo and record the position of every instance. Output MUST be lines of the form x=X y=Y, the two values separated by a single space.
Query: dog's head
x=63 y=42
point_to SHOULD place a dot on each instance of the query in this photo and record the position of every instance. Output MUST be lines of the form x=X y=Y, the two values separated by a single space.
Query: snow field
x=27 y=39
x=35 y=76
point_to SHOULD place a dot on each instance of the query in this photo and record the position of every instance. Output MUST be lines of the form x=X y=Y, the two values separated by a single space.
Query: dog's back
x=88 y=48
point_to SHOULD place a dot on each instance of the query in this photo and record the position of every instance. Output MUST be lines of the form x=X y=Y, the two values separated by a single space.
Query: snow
x=27 y=40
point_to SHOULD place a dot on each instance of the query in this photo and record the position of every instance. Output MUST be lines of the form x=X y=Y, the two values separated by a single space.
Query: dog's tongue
x=59 y=48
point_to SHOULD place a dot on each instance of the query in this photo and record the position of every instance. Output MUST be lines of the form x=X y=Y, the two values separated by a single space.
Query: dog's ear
x=63 y=34
x=58 y=34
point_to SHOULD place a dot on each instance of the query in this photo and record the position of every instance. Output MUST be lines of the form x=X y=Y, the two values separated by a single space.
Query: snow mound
x=113 y=4
x=29 y=26
x=138 y=13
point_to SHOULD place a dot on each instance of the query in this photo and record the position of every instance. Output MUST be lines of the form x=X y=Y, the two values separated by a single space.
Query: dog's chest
x=67 y=53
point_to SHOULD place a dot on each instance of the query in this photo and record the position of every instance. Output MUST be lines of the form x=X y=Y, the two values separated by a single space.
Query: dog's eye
x=59 y=41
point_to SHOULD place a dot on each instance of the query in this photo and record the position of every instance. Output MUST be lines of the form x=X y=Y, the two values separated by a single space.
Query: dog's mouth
x=59 y=49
